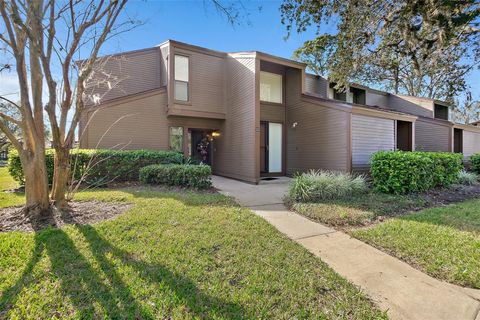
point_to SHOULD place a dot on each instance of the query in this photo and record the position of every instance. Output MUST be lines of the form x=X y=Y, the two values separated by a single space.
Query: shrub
x=467 y=178
x=315 y=186
x=475 y=162
x=101 y=166
x=403 y=172
x=181 y=175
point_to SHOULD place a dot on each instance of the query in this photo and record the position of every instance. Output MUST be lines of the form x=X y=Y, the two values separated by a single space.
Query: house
x=250 y=114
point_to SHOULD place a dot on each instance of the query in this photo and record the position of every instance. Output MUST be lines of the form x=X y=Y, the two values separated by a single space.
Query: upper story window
x=358 y=95
x=441 y=112
x=336 y=94
x=181 y=78
x=271 y=87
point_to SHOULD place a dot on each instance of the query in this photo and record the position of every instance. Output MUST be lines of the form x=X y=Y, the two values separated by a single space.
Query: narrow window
x=358 y=95
x=271 y=89
x=441 y=112
x=338 y=95
x=181 y=78
x=176 y=139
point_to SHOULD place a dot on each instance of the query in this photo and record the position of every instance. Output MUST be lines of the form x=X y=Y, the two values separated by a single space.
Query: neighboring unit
x=251 y=114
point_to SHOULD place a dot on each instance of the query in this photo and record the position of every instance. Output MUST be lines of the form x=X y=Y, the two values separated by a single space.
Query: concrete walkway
x=394 y=285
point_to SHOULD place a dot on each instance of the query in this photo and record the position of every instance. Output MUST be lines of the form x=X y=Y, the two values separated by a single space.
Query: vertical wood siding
x=129 y=73
x=321 y=138
x=370 y=135
x=432 y=137
x=236 y=145
x=471 y=143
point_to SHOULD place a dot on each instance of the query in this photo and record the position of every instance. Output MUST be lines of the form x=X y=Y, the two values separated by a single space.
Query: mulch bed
x=81 y=212
x=454 y=194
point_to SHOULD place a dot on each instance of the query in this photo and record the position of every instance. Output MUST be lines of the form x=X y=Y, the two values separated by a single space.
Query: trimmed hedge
x=103 y=166
x=404 y=172
x=181 y=175
x=475 y=162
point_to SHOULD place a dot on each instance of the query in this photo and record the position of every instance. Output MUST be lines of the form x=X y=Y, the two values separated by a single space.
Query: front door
x=201 y=147
x=271 y=148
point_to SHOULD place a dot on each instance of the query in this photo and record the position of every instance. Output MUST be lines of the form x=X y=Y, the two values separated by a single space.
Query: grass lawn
x=361 y=210
x=172 y=255
x=443 y=242
x=6 y=181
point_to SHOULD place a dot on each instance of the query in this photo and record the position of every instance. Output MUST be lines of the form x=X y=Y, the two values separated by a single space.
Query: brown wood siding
x=316 y=84
x=430 y=136
x=370 y=135
x=137 y=124
x=206 y=85
x=272 y=113
x=321 y=137
x=471 y=143
x=412 y=105
x=142 y=124
x=376 y=99
x=128 y=74
x=237 y=154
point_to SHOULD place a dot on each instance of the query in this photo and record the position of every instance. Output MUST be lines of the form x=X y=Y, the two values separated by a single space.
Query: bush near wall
x=475 y=162
x=181 y=175
x=101 y=166
x=315 y=186
x=404 y=172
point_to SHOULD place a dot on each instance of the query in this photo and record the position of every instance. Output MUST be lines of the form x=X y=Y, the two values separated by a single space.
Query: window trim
x=189 y=82
x=282 y=89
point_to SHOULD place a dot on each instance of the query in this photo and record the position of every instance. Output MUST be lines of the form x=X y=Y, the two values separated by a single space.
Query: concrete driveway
x=405 y=292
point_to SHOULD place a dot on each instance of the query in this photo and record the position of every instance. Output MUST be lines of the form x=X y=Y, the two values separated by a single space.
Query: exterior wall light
x=216 y=134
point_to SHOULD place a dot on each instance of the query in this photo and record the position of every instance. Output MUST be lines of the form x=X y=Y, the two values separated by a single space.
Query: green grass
x=443 y=242
x=173 y=255
x=6 y=181
x=358 y=210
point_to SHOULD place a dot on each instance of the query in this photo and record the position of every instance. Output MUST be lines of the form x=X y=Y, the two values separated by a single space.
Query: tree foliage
x=43 y=39
x=418 y=47
x=467 y=110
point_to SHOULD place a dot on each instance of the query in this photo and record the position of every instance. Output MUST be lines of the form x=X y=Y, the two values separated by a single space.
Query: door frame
x=211 y=148
x=283 y=144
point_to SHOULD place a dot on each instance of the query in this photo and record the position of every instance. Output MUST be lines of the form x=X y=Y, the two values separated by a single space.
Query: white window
x=181 y=78
x=176 y=139
x=271 y=87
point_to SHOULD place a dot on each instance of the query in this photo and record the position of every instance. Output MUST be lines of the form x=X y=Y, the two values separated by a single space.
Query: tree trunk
x=36 y=181
x=61 y=176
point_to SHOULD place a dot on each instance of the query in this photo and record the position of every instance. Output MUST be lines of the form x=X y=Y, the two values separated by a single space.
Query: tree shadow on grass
x=96 y=294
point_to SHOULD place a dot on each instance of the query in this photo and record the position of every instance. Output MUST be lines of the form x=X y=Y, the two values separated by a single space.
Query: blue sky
x=197 y=22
